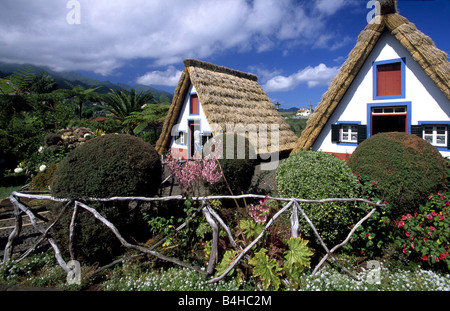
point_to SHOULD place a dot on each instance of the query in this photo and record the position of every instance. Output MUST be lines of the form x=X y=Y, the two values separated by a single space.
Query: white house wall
x=185 y=117
x=427 y=102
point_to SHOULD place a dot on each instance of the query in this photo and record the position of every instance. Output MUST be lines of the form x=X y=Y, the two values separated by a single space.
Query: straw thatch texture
x=422 y=49
x=228 y=97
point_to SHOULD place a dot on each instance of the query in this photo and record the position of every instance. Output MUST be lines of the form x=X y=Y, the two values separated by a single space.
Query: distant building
x=304 y=112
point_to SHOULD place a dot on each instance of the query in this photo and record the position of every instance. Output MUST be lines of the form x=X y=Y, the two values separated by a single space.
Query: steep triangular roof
x=227 y=97
x=422 y=49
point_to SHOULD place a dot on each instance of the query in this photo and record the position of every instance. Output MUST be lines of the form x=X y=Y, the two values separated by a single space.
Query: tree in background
x=152 y=115
x=80 y=95
x=122 y=103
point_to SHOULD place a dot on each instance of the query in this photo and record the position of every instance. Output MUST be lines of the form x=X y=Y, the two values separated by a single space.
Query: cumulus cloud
x=169 y=77
x=110 y=33
x=312 y=76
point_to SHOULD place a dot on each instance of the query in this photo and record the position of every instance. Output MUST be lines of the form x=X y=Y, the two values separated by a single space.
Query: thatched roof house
x=393 y=70
x=210 y=97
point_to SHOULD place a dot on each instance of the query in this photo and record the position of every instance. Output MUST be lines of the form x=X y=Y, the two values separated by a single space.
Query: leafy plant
x=371 y=238
x=266 y=269
x=318 y=175
x=424 y=236
x=296 y=258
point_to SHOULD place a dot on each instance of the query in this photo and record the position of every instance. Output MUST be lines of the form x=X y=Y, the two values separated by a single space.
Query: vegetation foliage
x=315 y=175
x=406 y=168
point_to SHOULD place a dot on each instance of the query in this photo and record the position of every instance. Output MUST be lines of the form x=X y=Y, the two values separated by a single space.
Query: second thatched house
x=395 y=79
x=211 y=100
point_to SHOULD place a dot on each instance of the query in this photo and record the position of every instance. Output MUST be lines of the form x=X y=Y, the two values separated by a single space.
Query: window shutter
x=362 y=133
x=416 y=130
x=389 y=79
x=194 y=104
x=335 y=133
x=448 y=136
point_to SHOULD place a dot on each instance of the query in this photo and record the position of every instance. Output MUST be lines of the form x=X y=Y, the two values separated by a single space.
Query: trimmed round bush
x=406 y=168
x=109 y=165
x=106 y=166
x=316 y=175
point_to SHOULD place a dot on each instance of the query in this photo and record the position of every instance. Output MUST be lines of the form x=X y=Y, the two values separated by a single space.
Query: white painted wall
x=428 y=103
x=185 y=117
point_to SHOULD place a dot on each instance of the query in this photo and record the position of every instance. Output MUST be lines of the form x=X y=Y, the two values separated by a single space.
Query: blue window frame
x=379 y=64
x=383 y=107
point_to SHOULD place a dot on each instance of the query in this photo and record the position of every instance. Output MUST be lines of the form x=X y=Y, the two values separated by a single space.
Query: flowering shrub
x=195 y=170
x=376 y=232
x=424 y=236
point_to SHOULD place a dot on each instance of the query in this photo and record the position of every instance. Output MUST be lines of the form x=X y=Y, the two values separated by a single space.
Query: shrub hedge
x=405 y=167
x=318 y=175
x=106 y=166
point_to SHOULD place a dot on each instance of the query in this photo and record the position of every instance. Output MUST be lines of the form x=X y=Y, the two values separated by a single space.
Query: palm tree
x=122 y=103
x=81 y=95
x=151 y=116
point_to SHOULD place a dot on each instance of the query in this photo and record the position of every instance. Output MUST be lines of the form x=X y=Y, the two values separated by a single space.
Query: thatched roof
x=227 y=97
x=422 y=49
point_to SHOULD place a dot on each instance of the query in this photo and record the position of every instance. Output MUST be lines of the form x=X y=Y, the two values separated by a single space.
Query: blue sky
x=294 y=47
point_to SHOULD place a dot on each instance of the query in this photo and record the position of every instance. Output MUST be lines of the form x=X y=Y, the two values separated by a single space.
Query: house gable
x=426 y=76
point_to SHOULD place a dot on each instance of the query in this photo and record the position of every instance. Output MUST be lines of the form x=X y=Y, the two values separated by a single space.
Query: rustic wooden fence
x=213 y=219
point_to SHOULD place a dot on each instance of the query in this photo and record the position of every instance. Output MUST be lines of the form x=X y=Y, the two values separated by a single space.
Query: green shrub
x=316 y=175
x=106 y=166
x=405 y=167
x=110 y=165
x=238 y=170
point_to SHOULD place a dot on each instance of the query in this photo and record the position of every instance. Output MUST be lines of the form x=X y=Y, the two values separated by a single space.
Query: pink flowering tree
x=191 y=173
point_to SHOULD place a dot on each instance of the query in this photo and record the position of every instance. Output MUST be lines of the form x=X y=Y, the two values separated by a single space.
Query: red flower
x=401 y=224
x=425 y=239
x=373 y=183
x=437 y=259
x=362 y=252
x=409 y=215
x=424 y=257
x=367 y=235
x=447 y=203
x=442 y=256
x=404 y=251
x=429 y=216
x=407 y=234
x=432 y=228
x=433 y=213
x=441 y=217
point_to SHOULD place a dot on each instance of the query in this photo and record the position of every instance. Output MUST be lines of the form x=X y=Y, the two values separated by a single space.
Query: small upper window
x=194 y=106
x=389 y=79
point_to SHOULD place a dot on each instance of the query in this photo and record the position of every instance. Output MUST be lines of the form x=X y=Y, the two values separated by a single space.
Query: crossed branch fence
x=213 y=219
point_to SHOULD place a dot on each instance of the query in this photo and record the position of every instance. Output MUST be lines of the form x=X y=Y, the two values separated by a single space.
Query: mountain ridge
x=76 y=78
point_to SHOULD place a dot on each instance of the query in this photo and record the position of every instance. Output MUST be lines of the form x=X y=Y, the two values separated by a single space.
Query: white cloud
x=311 y=76
x=328 y=7
x=111 y=33
x=169 y=77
